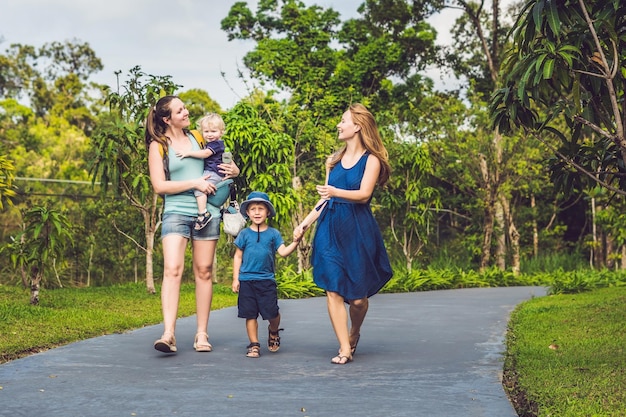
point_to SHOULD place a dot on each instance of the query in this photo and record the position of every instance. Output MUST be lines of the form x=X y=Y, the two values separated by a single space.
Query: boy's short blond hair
x=212 y=120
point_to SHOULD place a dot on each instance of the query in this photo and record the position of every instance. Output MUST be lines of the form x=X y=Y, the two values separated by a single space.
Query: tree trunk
x=151 y=223
x=90 y=264
x=500 y=232
x=593 y=232
x=623 y=266
x=35 y=281
x=513 y=237
x=609 y=251
x=487 y=235
x=533 y=205
x=489 y=213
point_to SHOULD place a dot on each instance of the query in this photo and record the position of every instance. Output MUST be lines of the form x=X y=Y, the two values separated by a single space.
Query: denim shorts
x=179 y=224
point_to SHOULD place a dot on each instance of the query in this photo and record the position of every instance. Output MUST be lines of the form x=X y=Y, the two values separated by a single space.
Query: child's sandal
x=273 y=340
x=202 y=220
x=254 y=350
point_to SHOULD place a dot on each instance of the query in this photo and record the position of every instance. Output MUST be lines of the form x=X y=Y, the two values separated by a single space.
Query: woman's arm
x=162 y=186
x=314 y=214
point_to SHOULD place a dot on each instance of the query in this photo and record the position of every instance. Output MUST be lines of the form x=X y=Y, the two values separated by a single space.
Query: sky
x=180 y=38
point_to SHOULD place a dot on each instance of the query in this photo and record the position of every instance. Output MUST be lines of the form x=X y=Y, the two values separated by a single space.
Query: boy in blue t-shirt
x=253 y=272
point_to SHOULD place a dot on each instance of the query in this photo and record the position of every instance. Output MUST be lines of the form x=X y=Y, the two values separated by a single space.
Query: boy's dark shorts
x=258 y=297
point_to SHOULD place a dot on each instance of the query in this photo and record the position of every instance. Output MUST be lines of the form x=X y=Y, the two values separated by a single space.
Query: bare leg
x=358 y=310
x=203 y=251
x=201 y=199
x=339 y=320
x=273 y=342
x=275 y=324
x=252 y=328
x=254 y=348
x=173 y=263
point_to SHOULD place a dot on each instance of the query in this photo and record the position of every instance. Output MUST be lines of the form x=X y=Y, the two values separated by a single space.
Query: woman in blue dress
x=349 y=258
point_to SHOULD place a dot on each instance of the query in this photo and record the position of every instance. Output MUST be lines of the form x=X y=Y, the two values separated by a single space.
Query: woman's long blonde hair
x=370 y=138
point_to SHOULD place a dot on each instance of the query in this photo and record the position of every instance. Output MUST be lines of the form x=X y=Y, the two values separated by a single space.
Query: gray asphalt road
x=425 y=354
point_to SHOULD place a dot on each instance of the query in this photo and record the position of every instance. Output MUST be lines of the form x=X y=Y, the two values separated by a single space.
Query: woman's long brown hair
x=155 y=126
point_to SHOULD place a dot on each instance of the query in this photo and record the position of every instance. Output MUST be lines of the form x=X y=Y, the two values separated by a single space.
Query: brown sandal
x=254 y=350
x=273 y=339
x=341 y=359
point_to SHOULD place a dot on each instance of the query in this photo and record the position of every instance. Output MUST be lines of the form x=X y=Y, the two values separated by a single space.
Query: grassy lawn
x=70 y=314
x=565 y=353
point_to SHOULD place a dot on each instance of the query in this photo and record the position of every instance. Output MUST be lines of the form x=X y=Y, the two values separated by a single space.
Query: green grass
x=70 y=314
x=565 y=355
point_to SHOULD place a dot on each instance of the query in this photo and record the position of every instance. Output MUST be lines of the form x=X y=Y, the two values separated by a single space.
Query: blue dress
x=349 y=255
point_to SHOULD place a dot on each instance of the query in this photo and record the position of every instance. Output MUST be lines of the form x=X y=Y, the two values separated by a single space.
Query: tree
x=409 y=200
x=120 y=156
x=37 y=248
x=568 y=63
x=322 y=65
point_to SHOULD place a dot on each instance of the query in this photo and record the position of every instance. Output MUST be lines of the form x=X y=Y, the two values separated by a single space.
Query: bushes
x=559 y=281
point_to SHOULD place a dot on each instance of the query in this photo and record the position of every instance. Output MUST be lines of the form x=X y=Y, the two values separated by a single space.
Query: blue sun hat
x=257 y=197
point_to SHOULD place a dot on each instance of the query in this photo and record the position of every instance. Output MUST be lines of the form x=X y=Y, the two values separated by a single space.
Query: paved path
x=430 y=354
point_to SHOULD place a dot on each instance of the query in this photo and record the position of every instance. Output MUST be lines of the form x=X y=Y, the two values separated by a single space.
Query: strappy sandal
x=166 y=345
x=341 y=359
x=202 y=347
x=254 y=350
x=273 y=339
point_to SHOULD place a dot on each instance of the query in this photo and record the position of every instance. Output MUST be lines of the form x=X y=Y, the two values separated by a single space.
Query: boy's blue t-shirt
x=211 y=163
x=258 y=260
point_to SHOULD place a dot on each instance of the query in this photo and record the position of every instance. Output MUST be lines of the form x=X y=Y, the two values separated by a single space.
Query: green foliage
x=558 y=281
x=555 y=262
x=264 y=155
x=199 y=103
x=409 y=201
x=7 y=174
x=564 y=355
x=568 y=63
x=41 y=244
x=70 y=314
x=438 y=279
x=292 y=284
x=569 y=282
